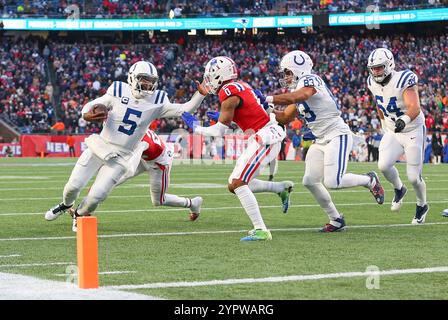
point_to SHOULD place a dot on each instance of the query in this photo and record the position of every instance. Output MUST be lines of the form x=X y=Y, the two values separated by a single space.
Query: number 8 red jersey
x=249 y=114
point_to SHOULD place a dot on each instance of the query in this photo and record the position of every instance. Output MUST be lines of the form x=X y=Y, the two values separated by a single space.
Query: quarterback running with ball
x=126 y=111
x=396 y=96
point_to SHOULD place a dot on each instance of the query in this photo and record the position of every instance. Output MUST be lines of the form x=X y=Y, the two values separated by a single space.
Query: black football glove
x=399 y=125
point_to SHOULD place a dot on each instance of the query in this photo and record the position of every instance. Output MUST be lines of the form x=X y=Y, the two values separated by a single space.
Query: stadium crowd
x=195 y=8
x=84 y=72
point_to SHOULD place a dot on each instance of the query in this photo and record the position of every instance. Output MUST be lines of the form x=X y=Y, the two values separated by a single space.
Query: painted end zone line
x=189 y=233
x=277 y=279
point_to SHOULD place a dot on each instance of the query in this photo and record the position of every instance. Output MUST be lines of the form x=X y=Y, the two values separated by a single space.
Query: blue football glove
x=189 y=119
x=260 y=96
x=308 y=135
x=213 y=115
x=266 y=106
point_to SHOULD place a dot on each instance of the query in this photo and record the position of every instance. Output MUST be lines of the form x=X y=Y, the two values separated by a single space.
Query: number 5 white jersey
x=321 y=111
x=129 y=118
x=389 y=98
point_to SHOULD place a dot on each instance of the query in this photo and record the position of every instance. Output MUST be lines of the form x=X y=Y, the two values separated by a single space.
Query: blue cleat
x=397 y=202
x=420 y=214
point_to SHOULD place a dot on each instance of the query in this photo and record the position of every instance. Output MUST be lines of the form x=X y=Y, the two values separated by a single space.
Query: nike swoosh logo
x=412 y=138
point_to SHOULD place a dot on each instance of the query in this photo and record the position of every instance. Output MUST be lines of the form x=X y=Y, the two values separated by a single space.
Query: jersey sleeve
x=408 y=80
x=309 y=81
x=161 y=97
x=116 y=89
x=106 y=100
x=231 y=89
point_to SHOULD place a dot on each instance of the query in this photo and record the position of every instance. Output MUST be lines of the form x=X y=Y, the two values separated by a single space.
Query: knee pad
x=331 y=183
x=414 y=175
x=383 y=166
x=309 y=181
x=74 y=185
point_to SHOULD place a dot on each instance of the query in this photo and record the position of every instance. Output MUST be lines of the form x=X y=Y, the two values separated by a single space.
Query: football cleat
x=334 y=225
x=56 y=211
x=397 y=202
x=257 y=235
x=420 y=214
x=375 y=187
x=271 y=177
x=195 y=208
x=445 y=213
x=285 y=195
x=74 y=215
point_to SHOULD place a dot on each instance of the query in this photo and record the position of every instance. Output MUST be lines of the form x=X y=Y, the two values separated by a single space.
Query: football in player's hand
x=99 y=108
x=97 y=113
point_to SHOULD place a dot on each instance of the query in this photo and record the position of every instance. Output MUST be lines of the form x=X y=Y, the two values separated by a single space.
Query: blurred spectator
x=71 y=145
x=437 y=147
x=59 y=127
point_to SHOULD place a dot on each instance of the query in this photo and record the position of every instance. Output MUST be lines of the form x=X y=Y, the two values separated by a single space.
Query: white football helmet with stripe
x=293 y=66
x=217 y=71
x=142 y=78
x=381 y=57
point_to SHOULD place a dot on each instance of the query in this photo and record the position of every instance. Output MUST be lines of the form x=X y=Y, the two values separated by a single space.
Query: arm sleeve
x=216 y=130
x=106 y=100
x=410 y=80
x=176 y=109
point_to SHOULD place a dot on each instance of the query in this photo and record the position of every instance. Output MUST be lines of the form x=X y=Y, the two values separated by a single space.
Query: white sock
x=420 y=192
x=354 y=180
x=172 y=200
x=250 y=204
x=415 y=177
x=393 y=177
x=265 y=186
x=323 y=197
x=273 y=167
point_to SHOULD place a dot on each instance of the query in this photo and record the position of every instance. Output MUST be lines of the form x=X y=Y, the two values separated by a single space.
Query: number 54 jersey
x=321 y=111
x=389 y=99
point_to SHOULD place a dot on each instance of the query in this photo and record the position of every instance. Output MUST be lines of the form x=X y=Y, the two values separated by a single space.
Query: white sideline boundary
x=184 y=284
x=20 y=287
x=161 y=234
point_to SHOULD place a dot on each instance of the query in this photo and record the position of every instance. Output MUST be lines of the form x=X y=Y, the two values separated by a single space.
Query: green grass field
x=149 y=247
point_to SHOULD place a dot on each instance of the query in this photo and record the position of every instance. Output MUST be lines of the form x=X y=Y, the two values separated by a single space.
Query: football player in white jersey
x=396 y=96
x=327 y=158
x=131 y=107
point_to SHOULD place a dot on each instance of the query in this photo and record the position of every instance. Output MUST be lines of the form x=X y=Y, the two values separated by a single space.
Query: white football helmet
x=218 y=70
x=381 y=57
x=293 y=66
x=142 y=78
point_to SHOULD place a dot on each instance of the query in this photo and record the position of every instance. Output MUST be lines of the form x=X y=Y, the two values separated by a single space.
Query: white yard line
x=216 y=208
x=26 y=265
x=20 y=287
x=11 y=256
x=161 y=234
x=184 y=284
x=187 y=180
x=101 y=273
x=205 y=194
